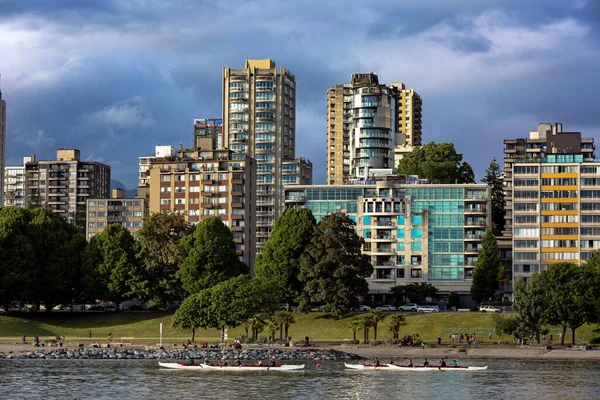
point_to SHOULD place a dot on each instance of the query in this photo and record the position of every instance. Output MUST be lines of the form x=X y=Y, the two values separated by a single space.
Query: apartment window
x=416 y=273
x=165 y=178
x=165 y=189
x=165 y=202
x=525 y=170
x=179 y=201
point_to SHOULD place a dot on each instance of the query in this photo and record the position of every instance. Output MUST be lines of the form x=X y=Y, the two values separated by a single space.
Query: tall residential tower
x=370 y=126
x=2 y=145
x=259 y=119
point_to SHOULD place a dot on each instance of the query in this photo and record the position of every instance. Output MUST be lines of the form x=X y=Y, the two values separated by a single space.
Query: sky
x=115 y=78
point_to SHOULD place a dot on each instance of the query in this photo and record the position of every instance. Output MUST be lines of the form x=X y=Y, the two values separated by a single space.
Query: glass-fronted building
x=412 y=232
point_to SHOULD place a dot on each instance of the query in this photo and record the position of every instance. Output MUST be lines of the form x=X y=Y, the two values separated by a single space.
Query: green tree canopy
x=437 y=162
x=109 y=262
x=210 y=256
x=58 y=258
x=226 y=304
x=157 y=277
x=530 y=305
x=17 y=255
x=280 y=259
x=333 y=267
x=488 y=269
x=493 y=178
x=415 y=292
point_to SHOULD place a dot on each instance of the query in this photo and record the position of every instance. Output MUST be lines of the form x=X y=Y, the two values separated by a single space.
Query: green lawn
x=144 y=327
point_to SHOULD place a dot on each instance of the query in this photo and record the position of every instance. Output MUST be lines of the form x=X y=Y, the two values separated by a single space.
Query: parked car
x=424 y=309
x=386 y=307
x=363 y=307
x=409 y=307
x=97 y=307
x=485 y=309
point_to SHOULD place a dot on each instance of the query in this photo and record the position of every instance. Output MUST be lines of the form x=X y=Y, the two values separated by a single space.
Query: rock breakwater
x=122 y=353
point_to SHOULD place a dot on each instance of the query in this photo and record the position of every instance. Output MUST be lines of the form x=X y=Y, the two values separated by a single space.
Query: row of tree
x=565 y=295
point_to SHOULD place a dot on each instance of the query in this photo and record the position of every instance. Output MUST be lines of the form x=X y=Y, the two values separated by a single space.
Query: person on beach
x=425 y=363
x=90 y=333
x=410 y=363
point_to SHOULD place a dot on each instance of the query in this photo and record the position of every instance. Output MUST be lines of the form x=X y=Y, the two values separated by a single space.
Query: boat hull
x=283 y=367
x=195 y=367
x=367 y=367
x=435 y=368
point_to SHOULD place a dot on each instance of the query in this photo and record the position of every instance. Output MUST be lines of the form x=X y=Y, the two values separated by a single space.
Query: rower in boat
x=273 y=364
x=454 y=364
x=238 y=362
x=425 y=363
x=442 y=363
x=410 y=363
x=392 y=361
x=260 y=363
x=377 y=363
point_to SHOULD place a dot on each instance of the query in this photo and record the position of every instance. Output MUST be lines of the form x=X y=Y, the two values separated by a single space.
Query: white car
x=425 y=309
x=485 y=309
x=386 y=307
x=363 y=308
x=409 y=307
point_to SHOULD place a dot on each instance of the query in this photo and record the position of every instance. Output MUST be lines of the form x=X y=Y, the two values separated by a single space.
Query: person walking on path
x=90 y=333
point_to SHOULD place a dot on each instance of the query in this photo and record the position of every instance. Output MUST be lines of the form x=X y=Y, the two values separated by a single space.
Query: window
x=416 y=273
x=526 y=244
x=525 y=256
x=526 y=232
x=165 y=178
x=165 y=202
x=525 y=170
x=525 y=219
x=400 y=273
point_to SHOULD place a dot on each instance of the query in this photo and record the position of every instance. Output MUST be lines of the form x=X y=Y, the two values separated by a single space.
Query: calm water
x=140 y=379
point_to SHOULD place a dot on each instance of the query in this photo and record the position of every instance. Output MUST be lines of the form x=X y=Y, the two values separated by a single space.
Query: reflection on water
x=135 y=379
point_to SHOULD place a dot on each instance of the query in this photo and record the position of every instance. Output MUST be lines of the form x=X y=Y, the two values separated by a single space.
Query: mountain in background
x=129 y=193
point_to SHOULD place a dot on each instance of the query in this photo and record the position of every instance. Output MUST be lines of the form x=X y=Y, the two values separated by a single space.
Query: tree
x=354 y=325
x=109 y=261
x=156 y=278
x=396 y=324
x=333 y=267
x=366 y=322
x=210 y=256
x=493 y=178
x=227 y=304
x=284 y=319
x=488 y=269
x=255 y=324
x=416 y=292
x=570 y=296
x=17 y=255
x=530 y=305
x=280 y=259
x=438 y=163
x=376 y=317
x=505 y=325
x=58 y=258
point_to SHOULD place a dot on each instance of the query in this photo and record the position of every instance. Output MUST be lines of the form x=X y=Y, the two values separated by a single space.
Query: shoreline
x=415 y=353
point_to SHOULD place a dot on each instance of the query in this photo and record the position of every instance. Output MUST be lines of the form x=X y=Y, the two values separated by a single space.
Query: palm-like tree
x=272 y=328
x=355 y=325
x=366 y=322
x=397 y=321
x=255 y=324
x=285 y=319
x=376 y=317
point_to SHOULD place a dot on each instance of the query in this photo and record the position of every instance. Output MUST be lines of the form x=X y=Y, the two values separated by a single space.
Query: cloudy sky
x=116 y=77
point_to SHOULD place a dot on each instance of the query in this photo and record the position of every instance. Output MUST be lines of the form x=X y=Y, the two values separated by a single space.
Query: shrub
x=595 y=340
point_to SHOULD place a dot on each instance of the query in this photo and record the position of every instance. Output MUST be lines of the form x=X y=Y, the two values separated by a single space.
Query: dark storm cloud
x=114 y=78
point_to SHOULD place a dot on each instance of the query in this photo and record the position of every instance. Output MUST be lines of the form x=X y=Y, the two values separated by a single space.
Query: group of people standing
x=464 y=337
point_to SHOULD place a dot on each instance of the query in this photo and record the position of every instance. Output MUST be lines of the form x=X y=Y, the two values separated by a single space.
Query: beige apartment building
x=369 y=126
x=202 y=182
x=547 y=139
x=259 y=119
x=129 y=213
x=14 y=184
x=2 y=145
x=65 y=184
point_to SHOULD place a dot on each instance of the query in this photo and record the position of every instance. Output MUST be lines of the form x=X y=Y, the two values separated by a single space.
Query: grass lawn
x=144 y=327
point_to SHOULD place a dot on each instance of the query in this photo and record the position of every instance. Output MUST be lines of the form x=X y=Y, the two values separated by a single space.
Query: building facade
x=368 y=124
x=556 y=212
x=65 y=184
x=259 y=119
x=547 y=139
x=128 y=213
x=14 y=184
x=2 y=145
x=209 y=128
x=199 y=183
x=145 y=162
x=412 y=232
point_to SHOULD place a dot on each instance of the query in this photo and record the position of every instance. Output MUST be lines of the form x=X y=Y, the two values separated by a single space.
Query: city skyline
x=114 y=88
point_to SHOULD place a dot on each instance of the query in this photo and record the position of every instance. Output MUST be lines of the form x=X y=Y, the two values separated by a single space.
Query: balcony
x=115 y=208
x=237 y=228
x=475 y=210
x=475 y=222
x=208 y=182
x=385 y=223
x=472 y=249
x=237 y=205
x=238 y=240
x=207 y=194
x=208 y=205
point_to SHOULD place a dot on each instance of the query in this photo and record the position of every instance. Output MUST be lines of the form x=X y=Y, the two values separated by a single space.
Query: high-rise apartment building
x=413 y=232
x=259 y=119
x=202 y=182
x=2 y=145
x=209 y=128
x=547 y=139
x=145 y=162
x=129 y=213
x=298 y=171
x=556 y=211
x=369 y=126
x=65 y=184
x=14 y=184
